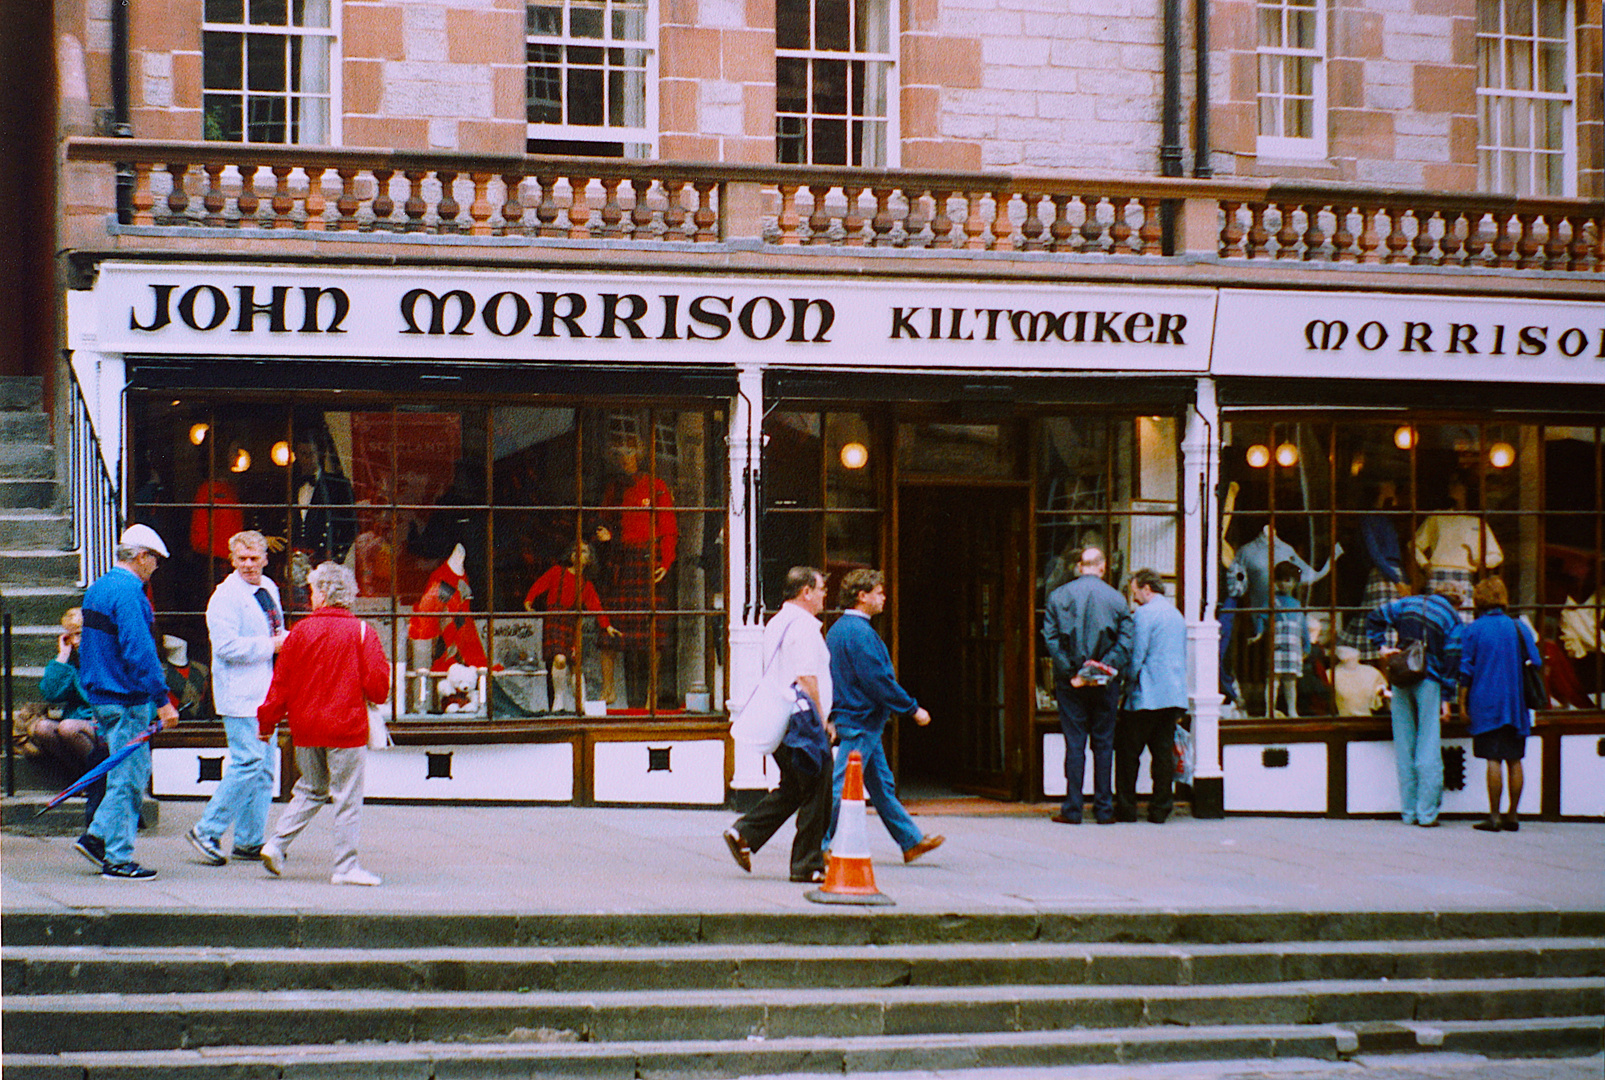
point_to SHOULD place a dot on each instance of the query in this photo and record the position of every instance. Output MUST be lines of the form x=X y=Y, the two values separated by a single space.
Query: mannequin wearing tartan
x=643 y=534
x=448 y=594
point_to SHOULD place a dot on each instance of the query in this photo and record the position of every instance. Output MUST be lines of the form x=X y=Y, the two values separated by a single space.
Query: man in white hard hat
x=122 y=674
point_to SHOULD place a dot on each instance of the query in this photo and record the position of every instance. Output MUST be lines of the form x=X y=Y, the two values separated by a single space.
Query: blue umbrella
x=100 y=770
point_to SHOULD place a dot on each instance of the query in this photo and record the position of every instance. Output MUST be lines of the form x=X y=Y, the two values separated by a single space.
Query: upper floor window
x=1292 y=78
x=269 y=71
x=834 y=84
x=585 y=89
x=1525 y=144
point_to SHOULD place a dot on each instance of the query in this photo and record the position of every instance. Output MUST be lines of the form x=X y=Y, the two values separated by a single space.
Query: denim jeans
x=1088 y=712
x=118 y=817
x=1416 y=737
x=242 y=799
x=879 y=787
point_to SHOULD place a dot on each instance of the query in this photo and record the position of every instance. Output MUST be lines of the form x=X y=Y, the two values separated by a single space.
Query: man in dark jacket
x=1088 y=630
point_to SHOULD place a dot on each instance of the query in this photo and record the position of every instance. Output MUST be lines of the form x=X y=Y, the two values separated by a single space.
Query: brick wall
x=716 y=69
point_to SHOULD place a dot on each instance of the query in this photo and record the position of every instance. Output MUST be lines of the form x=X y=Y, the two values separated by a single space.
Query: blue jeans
x=1088 y=712
x=242 y=798
x=1417 y=711
x=879 y=786
x=118 y=817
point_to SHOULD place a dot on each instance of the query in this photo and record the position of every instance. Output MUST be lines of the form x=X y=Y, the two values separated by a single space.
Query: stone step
x=20 y=813
x=35 y=530
x=40 y=605
x=21 y=392
x=27 y=494
x=537 y=1054
x=29 y=426
x=37 y=568
x=129 y=926
x=80 y=969
x=27 y=460
x=34 y=646
x=102 y=1021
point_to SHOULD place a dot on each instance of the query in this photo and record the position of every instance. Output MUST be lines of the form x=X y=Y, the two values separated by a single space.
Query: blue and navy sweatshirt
x=117 y=658
x=861 y=676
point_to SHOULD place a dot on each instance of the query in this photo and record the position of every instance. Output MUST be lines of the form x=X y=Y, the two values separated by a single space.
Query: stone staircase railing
x=293 y=190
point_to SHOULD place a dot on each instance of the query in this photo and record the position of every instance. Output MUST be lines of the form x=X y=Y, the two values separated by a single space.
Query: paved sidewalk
x=568 y=860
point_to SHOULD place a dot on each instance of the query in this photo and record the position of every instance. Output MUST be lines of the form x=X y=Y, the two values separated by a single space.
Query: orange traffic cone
x=850 y=877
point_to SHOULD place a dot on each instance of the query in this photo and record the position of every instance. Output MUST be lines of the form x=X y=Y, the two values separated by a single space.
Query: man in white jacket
x=246 y=625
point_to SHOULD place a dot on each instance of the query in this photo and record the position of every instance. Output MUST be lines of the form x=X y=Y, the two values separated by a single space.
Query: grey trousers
x=328 y=774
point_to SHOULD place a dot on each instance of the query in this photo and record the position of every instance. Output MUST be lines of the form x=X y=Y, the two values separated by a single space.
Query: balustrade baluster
x=1091 y=228
x=941 y=219
x=705 y=217
x=1451 y=244
x=480 y=209
x=974 y=226
x=383 y=204
x=1577 y=254
x=315 y=203
x=141 y=200
x=546 y=209
x=1150 y=234
x=512 y=207
x=283 y=200
x=1001 y=223
x=1258 y=238
x=880 y=226
x=641 y=212
x=1286 y=234
x=787 y=220
x=1555 y=244
x=415 y=207
x=214 y=200
x=177 y=197
x=1424 y=241
x=1231 y=231
x=1342 y=239
x=1396 y=240
x=1060 y=229
x=1369 y=239
x=447 y=209
x=1120 y=228
x=1599 y=244
x=247 y=201
x=1031 y=227
x=346 y=205
x=1314 y=236
x=612 y=212
x=852 y=220
x=1527 y=246
x=674 y=209
x=819 y=218
x=1480 y=234
x=579 y=208
x=1504 y=243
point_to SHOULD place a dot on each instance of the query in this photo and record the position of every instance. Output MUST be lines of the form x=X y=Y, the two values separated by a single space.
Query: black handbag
x=1408 y=666
x=1535 y=695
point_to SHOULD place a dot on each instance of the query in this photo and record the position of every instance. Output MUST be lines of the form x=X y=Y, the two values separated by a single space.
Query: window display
x=518 y=562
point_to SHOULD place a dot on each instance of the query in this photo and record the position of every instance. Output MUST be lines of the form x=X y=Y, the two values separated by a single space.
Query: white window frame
x=645 y=136
x=336 y=68
x=1277 y=144
x=891 y=151
x=1487 y=96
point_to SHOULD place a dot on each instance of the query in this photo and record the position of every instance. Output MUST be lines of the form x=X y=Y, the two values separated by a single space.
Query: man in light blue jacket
x=1157 y=698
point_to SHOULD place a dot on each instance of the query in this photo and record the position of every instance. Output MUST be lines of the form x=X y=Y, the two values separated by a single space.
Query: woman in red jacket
x=331 y=666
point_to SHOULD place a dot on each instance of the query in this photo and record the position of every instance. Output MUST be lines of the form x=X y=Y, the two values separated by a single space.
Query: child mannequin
x=1360 y=689
x=556 y=591
x=1292 y=642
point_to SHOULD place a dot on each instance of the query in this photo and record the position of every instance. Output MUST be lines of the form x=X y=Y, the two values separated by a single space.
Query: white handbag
x=378 y=730
x=760 y=723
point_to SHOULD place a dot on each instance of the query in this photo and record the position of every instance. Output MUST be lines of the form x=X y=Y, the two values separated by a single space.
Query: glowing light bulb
x=241 y=462
x=1287 y=455
x=855 y=455
x=1258 y=456
x=1405 y=437
x=198 y=433
x=281 y=453
x=1501 y=455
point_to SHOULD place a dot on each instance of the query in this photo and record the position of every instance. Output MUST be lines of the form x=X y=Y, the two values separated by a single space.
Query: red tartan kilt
x=557 y=635
x=631 y=595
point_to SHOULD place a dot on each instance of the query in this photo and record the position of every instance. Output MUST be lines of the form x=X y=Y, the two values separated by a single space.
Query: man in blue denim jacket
x=1156 y=697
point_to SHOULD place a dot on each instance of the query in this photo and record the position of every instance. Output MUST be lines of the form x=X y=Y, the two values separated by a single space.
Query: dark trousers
x=1154 y=729
x=96 y=791
x=799 y=793
x=1088 y=712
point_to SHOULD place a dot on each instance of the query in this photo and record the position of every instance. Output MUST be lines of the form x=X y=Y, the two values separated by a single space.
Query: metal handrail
x=94 y=491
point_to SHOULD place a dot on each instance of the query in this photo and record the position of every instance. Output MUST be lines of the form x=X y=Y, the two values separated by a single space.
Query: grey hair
x=337 y=584
x=126 y=552
x=249 y=539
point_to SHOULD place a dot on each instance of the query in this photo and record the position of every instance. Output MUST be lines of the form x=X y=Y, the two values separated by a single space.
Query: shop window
x=590 y=64
x=1292 y=78
x=835 y=89
x=1525 y=97
x=1323 y=522
x=269 y=71
x=461 y=524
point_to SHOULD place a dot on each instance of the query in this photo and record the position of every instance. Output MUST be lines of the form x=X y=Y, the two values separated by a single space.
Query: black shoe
x=1061 y=819
x=1158 y=819
x=248 y=854
x=127 y=871
x=92 y=848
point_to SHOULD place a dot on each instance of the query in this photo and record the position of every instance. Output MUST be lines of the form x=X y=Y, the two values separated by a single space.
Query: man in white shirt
x=246 y=624
x=794 y=640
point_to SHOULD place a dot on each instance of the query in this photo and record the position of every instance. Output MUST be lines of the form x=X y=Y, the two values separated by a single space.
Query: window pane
x=791 y=84
x=629 y=22
x=265 y=62
x=829 y=142
x=311 y=13
x=1552 y=19
x=1552 y=67
x=226 y=11
x=585 y=20
x=1270 y=27
x=223 y=121
x=832 y=25
x=222 y=66
x=543 y=19
x=585 y=96
x=1302 y=29
x=791 y=24
x=873 y=31
x=1519 y=18
x=626 y=93
x=791 y=141
x=830 y=87
x=269 y=13
x=265 y=119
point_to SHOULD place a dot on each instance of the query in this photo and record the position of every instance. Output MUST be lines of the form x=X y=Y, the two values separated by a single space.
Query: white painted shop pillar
x=1201 y=543
x=745 y=593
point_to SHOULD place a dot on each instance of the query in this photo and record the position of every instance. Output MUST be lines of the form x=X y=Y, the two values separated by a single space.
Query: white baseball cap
x=143 y=536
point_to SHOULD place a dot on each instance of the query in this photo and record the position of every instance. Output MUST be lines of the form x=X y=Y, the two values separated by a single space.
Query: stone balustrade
x=285 y=189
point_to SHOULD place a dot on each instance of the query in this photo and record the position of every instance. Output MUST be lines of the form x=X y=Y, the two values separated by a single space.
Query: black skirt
x=1501 y=744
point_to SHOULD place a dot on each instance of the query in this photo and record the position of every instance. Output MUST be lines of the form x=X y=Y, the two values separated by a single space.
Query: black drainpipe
x=120 y=126
x=1201 y=166
x=1170 y=148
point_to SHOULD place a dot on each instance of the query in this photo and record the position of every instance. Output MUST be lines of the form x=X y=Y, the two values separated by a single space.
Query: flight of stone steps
x=236 y=993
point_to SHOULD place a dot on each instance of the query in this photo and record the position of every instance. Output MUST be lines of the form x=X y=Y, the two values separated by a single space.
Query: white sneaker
x=272 y=860
x=355 y=876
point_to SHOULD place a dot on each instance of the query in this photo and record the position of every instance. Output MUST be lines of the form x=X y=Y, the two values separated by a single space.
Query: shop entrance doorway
x=963 y=619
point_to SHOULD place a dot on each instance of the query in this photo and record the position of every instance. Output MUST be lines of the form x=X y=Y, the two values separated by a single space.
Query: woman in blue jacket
x=1492 y=651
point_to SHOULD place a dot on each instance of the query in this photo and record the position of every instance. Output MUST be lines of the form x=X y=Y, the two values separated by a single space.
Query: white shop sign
x=222 y=310
x=1367 y=336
